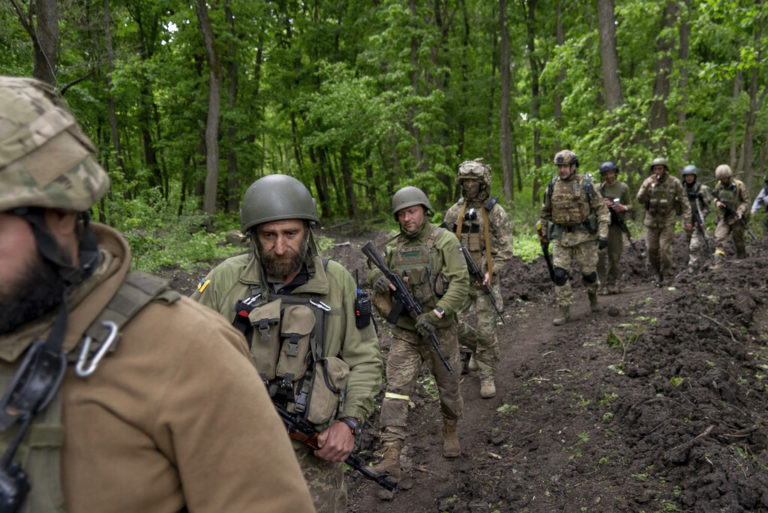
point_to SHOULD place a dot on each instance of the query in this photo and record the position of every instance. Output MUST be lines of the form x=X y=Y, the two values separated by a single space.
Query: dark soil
x=657 y=403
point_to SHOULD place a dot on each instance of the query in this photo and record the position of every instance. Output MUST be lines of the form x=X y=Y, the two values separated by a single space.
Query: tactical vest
x=661 y=199
x=474 y=232
x=729 y=194
x=40 y=452
x=286 y=337
x=692 y=190
x=570 y=200
x=414 y=264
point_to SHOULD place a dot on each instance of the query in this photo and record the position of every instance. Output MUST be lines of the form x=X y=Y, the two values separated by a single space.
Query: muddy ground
x=657 y=403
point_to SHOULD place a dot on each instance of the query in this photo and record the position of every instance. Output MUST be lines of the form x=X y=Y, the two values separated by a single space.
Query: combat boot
x=565 y=316
x=593 y=301
x=741 y=251
x=390 y=461
x=472 y=365
x=487 y=388
x=451 y=447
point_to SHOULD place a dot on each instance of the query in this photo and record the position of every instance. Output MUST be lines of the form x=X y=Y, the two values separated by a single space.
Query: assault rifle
x=302 y=431
x=545 y=249
x=619 y=221
x=403 y=299
x=477 y=274
x=698 y=220
x=730 y=212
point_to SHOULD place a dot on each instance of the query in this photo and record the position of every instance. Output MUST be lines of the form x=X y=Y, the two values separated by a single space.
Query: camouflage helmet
x=607 y=167
x=566 y=157
x=408 y=197
x=690 y=169
x=723 y=171
x=658 y=161
x=474 y=170
x=274 y=198
x=45 y=158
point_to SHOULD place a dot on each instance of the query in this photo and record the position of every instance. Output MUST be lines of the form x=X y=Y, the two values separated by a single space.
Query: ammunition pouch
x=327 y=390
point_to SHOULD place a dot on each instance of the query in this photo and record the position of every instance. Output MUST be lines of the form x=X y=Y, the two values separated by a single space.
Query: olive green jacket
x=333 y=285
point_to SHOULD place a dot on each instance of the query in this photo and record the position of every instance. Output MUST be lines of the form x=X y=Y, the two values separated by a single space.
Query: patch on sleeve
x=203 y=283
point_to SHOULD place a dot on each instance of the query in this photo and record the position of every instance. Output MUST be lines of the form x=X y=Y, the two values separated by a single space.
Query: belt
x=573 y=227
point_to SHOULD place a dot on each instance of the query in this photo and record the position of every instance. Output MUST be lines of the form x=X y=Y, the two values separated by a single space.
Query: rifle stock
x=403 y=299
x=477 y=274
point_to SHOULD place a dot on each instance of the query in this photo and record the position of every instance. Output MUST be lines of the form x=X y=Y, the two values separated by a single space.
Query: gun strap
x=486 y=233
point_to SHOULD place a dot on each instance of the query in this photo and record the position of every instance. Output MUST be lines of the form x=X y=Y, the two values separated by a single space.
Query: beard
x=284 y=265
x=38 y=291
x=471 y=191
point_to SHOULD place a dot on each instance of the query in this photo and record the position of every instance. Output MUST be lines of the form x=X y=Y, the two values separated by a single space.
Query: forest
x=190 y=102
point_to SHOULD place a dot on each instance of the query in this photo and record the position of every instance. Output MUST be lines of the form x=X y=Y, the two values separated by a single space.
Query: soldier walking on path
x=429 y=259
x=163 y=412
x=483 y=228
x=699 y=199
x=618 y=202
x=577 y=223
x=664 y=199
x=297 y=311
x=732 y=202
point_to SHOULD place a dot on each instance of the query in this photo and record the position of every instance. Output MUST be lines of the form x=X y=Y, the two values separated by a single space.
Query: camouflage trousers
x=324 y=478
x=608 y=260
x=658 y=242
x=585 y=255
x=696 y=248
x=477 y=329
x=406 y=355
x=736 y=231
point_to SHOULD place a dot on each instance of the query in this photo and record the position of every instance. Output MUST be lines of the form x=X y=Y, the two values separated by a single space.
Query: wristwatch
x=440 y=311
x=354 y=424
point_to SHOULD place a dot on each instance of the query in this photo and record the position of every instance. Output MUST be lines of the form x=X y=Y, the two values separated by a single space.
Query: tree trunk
x=349 y=189
x=214 y=106
x=608 y=54
x=558 y=101
x=734 y=117
x=505 y=137
x=48 y=39
x=747 y=158
x=110 y=98
x=232 y=193
x=412 y=128
x=683 y=55
x=534 y=65
x=663 y=69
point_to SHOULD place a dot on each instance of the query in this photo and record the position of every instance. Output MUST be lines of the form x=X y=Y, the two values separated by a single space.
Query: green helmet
x=276 y=197
x=474 y=170
x=690 y=169
x=723 y=171
x=659 y=161
x=408 y=197
x=45 y=158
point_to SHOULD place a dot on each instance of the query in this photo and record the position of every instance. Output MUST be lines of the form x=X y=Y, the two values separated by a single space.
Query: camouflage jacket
x=663 y=202
x=735 y=195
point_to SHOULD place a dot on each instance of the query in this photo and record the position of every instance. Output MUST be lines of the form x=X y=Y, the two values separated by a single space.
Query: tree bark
x=663 y=68
x=683 y=55
x=505 y=137
x=756 y=99
x=48 y=37
x=214 y=106
x=734 y=117
x=558 y=101
x=233 y=198
x=530 y=15
x=114 y=132
x=608 y=54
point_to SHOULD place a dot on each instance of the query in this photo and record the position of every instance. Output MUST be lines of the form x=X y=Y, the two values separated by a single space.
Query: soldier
x=732 y=201
x=664 y=199
x=618 y=202
x=699 y=199
x=163 y=411
x=430 y=259
x=762 y=201
x=486 y=232
x=296 y=309
x=577 y=222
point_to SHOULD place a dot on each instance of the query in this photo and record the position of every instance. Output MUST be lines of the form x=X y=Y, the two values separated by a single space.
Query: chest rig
x=286 y=339
x=662 y=198
x=570 y=200
x=692 y=190
x=31 y=429
x=729 y=194
x=414 y=264
x=468 y=228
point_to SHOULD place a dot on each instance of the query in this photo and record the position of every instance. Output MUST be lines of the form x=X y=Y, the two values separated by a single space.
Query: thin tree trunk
x=349 y=189
x=214 y=106
x=413 y=129
x=608 y=54
x=663 y=69
x=233 y=198
x=45 y=37
x=110 y=98
x=746 y=161
x=683 y=55
x=558 y=101
x=530 y=15
x=734 y=117
x=505 y=136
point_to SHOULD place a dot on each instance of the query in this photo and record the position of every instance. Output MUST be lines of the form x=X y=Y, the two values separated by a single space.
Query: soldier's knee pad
x=561 y=276
x=590 y=278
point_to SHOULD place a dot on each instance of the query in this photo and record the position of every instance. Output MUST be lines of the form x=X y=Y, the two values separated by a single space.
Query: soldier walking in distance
x=297 y=310
x=664 y=200
x=732 y=202
x=618 y=202
x=482 y=226
x=429 y=258
x=163 y=412
x=577 y=223
x=699 y=199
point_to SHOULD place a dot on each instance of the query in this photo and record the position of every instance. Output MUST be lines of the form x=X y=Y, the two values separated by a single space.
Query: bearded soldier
x=162 y=412
x=664 y=200
x=430 y=259
x=296 y=309
x=699 y=199
x=618 y=202
x=577 y=223
x=483 y=228
x=732 y=202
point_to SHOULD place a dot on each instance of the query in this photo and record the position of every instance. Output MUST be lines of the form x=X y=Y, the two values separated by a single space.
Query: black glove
x=425 y=323
x=382 y=285
x=602 y=243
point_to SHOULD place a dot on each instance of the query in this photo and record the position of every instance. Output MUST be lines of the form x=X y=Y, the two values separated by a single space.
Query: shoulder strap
x=551 y=186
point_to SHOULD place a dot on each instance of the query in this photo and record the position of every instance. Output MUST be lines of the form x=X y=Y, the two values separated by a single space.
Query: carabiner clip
x=80 y=368
x=319 y=305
